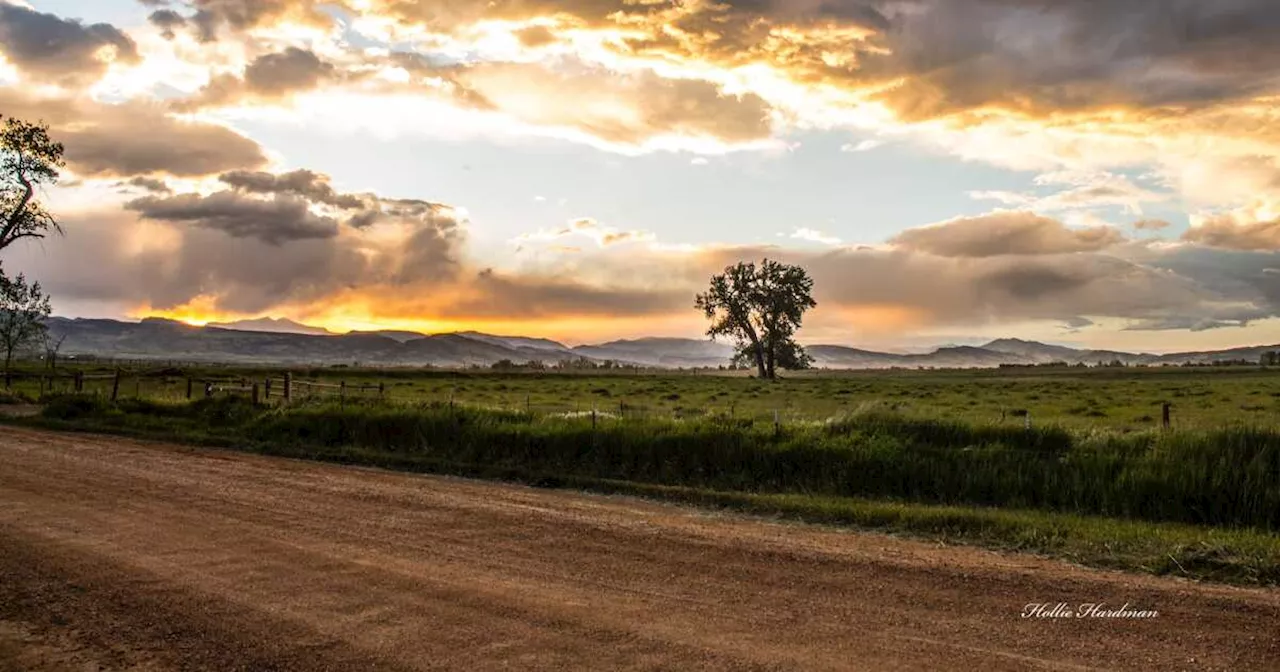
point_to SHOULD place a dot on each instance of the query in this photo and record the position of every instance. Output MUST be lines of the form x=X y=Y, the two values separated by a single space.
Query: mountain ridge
x=160 y=338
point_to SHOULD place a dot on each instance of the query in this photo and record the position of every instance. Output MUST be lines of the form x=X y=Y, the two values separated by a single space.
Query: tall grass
x=1226 y=477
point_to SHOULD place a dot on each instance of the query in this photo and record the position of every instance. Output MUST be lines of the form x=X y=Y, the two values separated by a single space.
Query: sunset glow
x=578 y=170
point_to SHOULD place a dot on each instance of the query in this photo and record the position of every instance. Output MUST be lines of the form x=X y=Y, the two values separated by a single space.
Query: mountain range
x=268 y=341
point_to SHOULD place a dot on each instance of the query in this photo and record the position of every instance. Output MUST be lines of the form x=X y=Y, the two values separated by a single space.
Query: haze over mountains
x=268 y=341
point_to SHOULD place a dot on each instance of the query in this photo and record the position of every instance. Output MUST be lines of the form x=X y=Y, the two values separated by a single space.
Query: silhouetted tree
x=31 y=160
x=23 y=309
x=760 y=308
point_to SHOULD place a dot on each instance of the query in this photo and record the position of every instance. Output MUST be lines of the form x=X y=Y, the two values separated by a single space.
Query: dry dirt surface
x=119 y=554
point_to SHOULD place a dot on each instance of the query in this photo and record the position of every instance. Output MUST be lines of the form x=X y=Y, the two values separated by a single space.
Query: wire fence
x=169 y=385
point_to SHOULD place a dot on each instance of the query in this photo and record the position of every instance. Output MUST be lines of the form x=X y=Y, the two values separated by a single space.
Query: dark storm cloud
x=273 y=221
x=1037 y=55
x=62 y=49
x=134 y=138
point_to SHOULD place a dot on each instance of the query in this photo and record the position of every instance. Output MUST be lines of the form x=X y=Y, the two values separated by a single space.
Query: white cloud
x=864 y=146
x=815 y=236
x=1085 y=189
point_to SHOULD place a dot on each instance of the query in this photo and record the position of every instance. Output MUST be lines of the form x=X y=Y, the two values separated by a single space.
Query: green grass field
x=1123 y=400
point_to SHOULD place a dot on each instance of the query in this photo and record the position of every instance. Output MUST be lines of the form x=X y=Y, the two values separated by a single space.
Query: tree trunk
x=8 y=370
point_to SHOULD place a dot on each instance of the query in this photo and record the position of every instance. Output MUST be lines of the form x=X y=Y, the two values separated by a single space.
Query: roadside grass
x=1195 y=504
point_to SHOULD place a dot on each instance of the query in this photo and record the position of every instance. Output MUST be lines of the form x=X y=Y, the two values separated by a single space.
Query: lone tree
x=760 y=308
x=23 y=309
x=30 y=160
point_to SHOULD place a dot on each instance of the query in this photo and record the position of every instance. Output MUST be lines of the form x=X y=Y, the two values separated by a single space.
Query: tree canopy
x=23 y=309
x=760 y=308
x=29 y=159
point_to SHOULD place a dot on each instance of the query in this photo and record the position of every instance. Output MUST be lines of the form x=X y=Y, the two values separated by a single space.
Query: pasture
x=1113 y=399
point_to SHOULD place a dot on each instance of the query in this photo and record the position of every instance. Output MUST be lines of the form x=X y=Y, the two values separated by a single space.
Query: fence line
x=285 y=389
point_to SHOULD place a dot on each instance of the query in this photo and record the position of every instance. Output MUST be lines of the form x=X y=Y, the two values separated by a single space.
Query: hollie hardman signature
x=1084 y=610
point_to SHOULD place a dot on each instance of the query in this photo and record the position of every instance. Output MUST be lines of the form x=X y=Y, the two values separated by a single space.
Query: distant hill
x=1043 y=353
x=272 y=326
x=516 y=341
x=393 y=334
x=162 y=339
x=663 y=352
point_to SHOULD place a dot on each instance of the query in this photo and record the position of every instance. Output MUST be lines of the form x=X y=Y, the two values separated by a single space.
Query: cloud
x=815 y=236
x=213 y=17
x=288 y=70
x=149 y=184
x=308 y=184
x=134 y=137
x=268 y=77
x=275 y=221
x=864 y=146
x=1150 y=224
x=619 y=108
x=1235 y=232
x=951 y=55
x=1005 y=232
x=1188 y=323
x=589 y=228
x=66 y=50
x=168 y=21
x=1074 y=325
x=1087 y=190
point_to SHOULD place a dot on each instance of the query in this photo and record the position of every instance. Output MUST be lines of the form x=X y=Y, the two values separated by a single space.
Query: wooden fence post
x=256 y=400
x=266 y=388
x=593 y=418
x=777 y=428
x=208 y=389
x=115 y=386
x=342 y=394
x=1027 y=421
x=288 y=386
x=1164 y=414
x=188 y=388
x=382 y=389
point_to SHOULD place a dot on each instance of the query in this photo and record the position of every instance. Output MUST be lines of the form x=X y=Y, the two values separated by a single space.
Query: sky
x=1099 y=174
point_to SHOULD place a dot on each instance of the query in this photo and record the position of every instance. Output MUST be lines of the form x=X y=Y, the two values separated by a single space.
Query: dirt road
x=117 y=554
